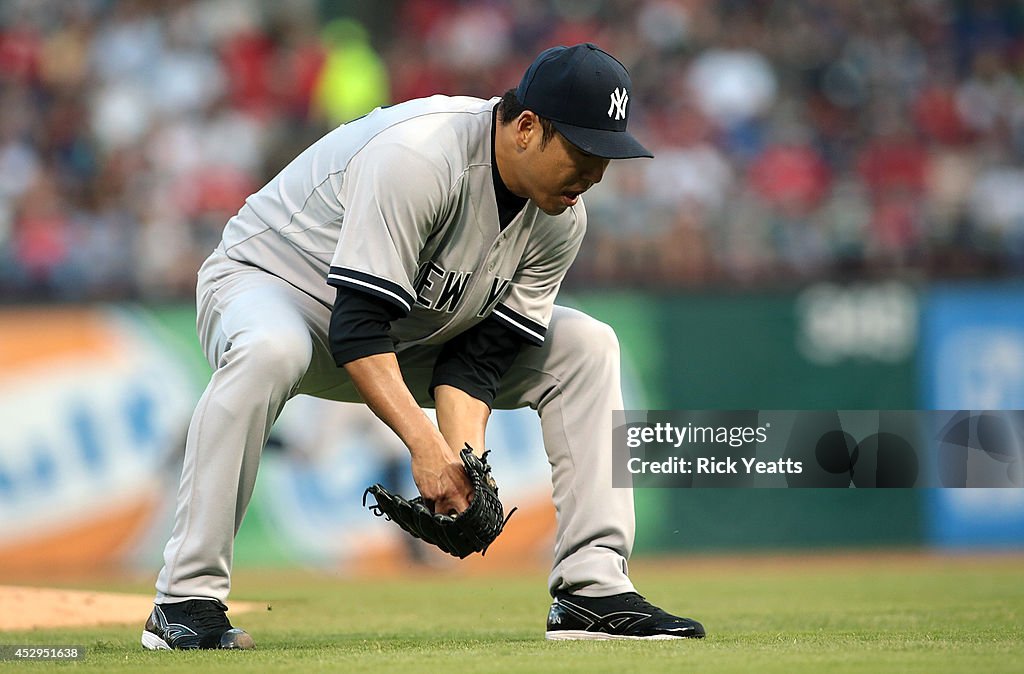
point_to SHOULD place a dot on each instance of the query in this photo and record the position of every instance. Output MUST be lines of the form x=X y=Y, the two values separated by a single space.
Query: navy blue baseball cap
x=584 y=91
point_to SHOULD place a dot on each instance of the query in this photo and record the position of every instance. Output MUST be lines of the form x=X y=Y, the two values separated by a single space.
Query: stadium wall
x=94 y=403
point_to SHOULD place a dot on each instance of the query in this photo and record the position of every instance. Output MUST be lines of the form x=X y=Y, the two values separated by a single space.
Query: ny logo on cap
x=618 y=106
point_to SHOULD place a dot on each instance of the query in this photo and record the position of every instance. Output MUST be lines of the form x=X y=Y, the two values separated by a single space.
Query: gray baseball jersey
x=400 y=204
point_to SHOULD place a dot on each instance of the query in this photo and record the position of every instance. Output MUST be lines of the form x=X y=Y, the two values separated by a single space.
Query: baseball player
x=407 y=259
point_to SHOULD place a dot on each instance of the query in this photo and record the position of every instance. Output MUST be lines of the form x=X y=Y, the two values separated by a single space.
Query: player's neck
x=507 y=156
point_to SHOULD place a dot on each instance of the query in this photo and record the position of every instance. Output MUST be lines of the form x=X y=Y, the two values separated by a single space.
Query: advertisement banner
x=823 y=347
x=93 y=402
x=972 y=356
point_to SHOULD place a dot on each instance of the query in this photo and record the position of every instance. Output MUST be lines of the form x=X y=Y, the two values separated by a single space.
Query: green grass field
x=763 y=614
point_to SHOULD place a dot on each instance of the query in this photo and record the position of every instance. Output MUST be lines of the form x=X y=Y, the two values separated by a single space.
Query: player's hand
x=441 y=480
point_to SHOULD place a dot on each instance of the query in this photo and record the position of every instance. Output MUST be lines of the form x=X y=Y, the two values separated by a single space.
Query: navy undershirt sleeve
x=476 y=360
x=360 y=325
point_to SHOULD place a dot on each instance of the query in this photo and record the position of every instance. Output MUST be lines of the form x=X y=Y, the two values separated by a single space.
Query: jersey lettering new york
x=443 y=290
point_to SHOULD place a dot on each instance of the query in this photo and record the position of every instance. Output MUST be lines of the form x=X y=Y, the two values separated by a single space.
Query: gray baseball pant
x=267 y=341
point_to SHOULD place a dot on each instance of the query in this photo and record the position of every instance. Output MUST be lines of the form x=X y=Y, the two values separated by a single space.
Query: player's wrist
x=430 y=447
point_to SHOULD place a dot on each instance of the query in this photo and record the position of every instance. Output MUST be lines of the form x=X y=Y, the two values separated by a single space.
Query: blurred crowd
x=795 y=140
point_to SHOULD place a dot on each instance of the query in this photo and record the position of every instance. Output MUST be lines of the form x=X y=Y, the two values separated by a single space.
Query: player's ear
x=528 y=129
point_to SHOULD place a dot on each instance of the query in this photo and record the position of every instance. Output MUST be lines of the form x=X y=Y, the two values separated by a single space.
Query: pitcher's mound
x=25 y=608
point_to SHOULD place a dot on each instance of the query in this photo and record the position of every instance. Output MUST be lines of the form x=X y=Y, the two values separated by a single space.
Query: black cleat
x=196 y=623
x=620 y=616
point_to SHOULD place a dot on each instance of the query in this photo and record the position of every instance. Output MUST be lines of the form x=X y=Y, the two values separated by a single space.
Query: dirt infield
x=24 y=608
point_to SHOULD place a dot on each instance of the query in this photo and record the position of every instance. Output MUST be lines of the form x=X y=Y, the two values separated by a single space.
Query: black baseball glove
x=472 y=530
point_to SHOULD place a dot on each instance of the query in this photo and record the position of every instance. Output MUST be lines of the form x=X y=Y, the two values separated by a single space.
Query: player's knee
x=600 y=341
x=591 y=340
x=279 y=354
